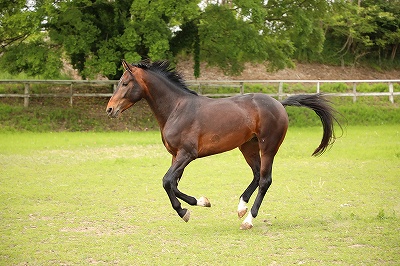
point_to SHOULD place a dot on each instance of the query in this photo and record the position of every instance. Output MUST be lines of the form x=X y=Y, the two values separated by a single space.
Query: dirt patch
x=299 y=72
x=258 y=72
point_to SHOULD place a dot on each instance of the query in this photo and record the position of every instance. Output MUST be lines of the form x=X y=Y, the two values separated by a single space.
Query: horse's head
x=128 y=92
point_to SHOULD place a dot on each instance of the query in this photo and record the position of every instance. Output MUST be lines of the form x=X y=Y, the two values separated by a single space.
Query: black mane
x=165 y=69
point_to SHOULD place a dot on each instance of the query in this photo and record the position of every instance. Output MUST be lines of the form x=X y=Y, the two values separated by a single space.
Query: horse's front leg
x=170 y=184
x=202 y=201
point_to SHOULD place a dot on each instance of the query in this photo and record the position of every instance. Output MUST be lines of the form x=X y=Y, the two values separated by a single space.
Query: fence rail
x=198 y=85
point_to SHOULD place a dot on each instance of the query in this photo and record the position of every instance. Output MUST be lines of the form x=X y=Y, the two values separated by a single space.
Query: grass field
x=97 y=199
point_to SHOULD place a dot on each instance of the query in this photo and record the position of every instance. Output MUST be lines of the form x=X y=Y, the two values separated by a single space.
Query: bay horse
x=194 y=126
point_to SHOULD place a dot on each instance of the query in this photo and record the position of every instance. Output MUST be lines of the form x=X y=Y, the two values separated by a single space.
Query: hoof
x=241 y=213
x=246 y=226
x=186 y=216
x=204 y=202
x=242 y=208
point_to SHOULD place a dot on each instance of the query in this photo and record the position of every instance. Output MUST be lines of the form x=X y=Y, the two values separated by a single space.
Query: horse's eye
x=125 y=84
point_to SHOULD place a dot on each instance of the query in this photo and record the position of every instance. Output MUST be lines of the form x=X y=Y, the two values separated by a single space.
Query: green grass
x=44 y=115
x=23 y=75
x=74 y=198
x=87 y=114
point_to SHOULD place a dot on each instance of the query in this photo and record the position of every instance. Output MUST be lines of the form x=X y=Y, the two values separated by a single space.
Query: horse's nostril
x=109 y=110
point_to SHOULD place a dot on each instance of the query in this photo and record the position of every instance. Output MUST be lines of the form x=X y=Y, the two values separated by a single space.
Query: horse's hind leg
x=269 y=146
x=264 y=183
x=251 y=153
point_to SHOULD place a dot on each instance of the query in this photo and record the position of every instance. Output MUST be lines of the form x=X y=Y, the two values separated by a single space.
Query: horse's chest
x=174 y=137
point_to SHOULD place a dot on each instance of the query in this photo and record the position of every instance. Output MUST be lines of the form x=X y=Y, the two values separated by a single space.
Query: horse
x=194 y=126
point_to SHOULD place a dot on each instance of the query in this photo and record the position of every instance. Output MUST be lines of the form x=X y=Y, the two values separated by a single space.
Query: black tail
x=322 y=107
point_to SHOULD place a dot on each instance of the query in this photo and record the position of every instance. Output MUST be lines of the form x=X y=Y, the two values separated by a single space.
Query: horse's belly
x=223 y=126
x=218 y=142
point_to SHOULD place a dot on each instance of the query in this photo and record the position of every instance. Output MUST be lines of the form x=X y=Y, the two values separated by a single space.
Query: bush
x=335 y=87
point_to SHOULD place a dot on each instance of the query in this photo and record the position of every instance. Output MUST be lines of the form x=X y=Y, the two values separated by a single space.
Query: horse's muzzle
x=113 y=113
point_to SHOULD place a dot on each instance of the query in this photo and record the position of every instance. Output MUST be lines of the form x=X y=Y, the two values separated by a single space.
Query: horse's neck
x=163 y=99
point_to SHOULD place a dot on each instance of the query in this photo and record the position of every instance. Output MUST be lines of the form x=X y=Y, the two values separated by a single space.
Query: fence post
x=318 y=90
x=26 y=96
x=280 y=91
x=241 y=88
x=354 y=92
x=71 y=94
x=391 y=98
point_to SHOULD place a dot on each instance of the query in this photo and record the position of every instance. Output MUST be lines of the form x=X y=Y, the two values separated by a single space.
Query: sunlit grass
x=97 y=198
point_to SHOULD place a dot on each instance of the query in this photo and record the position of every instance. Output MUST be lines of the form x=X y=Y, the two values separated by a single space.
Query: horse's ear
x=128 y=67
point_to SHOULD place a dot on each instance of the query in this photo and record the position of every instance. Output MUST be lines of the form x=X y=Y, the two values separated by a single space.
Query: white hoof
x=245 y=226
x=241 y=213
x=204 y=202
x=242 y=208
x=247 y=223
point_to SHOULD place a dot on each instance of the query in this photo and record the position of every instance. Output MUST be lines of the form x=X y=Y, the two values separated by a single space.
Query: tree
x=229 y=42
x=234 y=32
x=300 y=22
x=90 y=32
x=94 y=35
x=24 y=47
x=366 y=29
x=18 y=21
x=225 y=34
x=156 y=22
x=35 y=57
x=386 y=37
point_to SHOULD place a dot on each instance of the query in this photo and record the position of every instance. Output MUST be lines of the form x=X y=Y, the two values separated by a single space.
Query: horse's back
x=262 y=106
x=237 y=119
x=250 y=110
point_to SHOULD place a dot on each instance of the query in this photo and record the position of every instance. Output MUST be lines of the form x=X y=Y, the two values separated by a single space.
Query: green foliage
x=90 y=33
x=196 y=56
x=223 y=41
x=298 y=23
x=18 y=20
x=336 y=87
x=232 y=36
x=34 y=57
x=95 y=35
x=23 y=47
x=369 y=31
x=153 y=22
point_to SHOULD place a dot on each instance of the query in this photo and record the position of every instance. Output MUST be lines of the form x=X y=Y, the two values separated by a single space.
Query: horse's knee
x=167 y=183
x=265 y=183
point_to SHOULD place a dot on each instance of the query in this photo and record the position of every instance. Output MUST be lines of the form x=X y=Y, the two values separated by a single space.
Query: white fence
x=280 y=93
x=197 y=85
